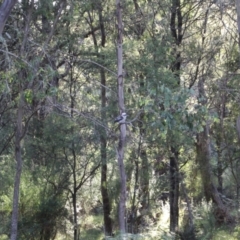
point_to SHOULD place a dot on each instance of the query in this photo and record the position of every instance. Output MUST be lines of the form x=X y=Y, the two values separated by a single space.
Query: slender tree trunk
x=238 y=24
x=76 y=233
x=5 y=11
x=219 y=144
x=174 y=189
x=132 y=226
x=72 y=93
x=75 y=215
x=177 y=35
x=122 y=202
x=220 y=140
x=18 y=158
x=144 y=179
x=144 y=171
x=120 y=149
x=103 y=137
x=104 y=189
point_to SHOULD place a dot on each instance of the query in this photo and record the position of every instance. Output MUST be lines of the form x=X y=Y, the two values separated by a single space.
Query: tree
x=120 y=149
x=5 y=10
x=18 y=137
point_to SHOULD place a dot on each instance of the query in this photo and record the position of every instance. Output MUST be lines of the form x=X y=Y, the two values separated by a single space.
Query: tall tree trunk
x=18 y=158
x=120 y=149
x=104 y=189
x=177 y=35
x=72 y=94
x=103 y=138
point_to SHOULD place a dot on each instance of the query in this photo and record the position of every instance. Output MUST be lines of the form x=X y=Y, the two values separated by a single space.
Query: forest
x=167 y=168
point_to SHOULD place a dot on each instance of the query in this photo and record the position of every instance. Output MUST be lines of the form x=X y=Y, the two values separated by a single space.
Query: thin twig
x=98 y=64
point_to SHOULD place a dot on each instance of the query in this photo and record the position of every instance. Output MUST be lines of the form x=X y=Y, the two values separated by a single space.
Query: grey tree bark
x=122 y=137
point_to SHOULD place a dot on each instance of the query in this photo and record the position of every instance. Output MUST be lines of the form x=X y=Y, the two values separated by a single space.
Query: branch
x=98 y=64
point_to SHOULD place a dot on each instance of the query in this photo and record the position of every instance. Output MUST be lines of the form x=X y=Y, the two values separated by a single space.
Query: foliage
x=61 y=57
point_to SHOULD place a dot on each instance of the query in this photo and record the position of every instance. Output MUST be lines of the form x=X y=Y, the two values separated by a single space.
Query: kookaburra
x=121 y=118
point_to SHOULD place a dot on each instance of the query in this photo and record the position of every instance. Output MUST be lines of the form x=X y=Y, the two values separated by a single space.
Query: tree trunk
x=5 y=11
x=132 y=223
x=72 y=94
x=203 y=159
x=144 y=171
x=144 y=182
x=120 y=149
x=75 y=215
x=210 y=190
x=238 y=24
x=174 y=189
x=18 y=158
x=104 y=189
x=122 y=202
x=176 y=22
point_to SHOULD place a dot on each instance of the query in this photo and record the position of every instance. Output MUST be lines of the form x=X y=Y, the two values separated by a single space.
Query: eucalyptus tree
x=122 y=137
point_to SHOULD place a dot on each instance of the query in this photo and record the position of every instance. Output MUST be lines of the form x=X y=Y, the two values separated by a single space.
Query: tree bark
x=144 y=171
x=103 y=138
x=120 y=149
x=104 y=189
x=5 y=11
x=174 y=189
x=176 y=22
x=203 y=158
x=238 y=24
x=72 y=94
x=18 y=158
x=211 y=193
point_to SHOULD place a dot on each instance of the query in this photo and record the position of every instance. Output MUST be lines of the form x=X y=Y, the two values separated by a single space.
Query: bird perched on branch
x=121 y=118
